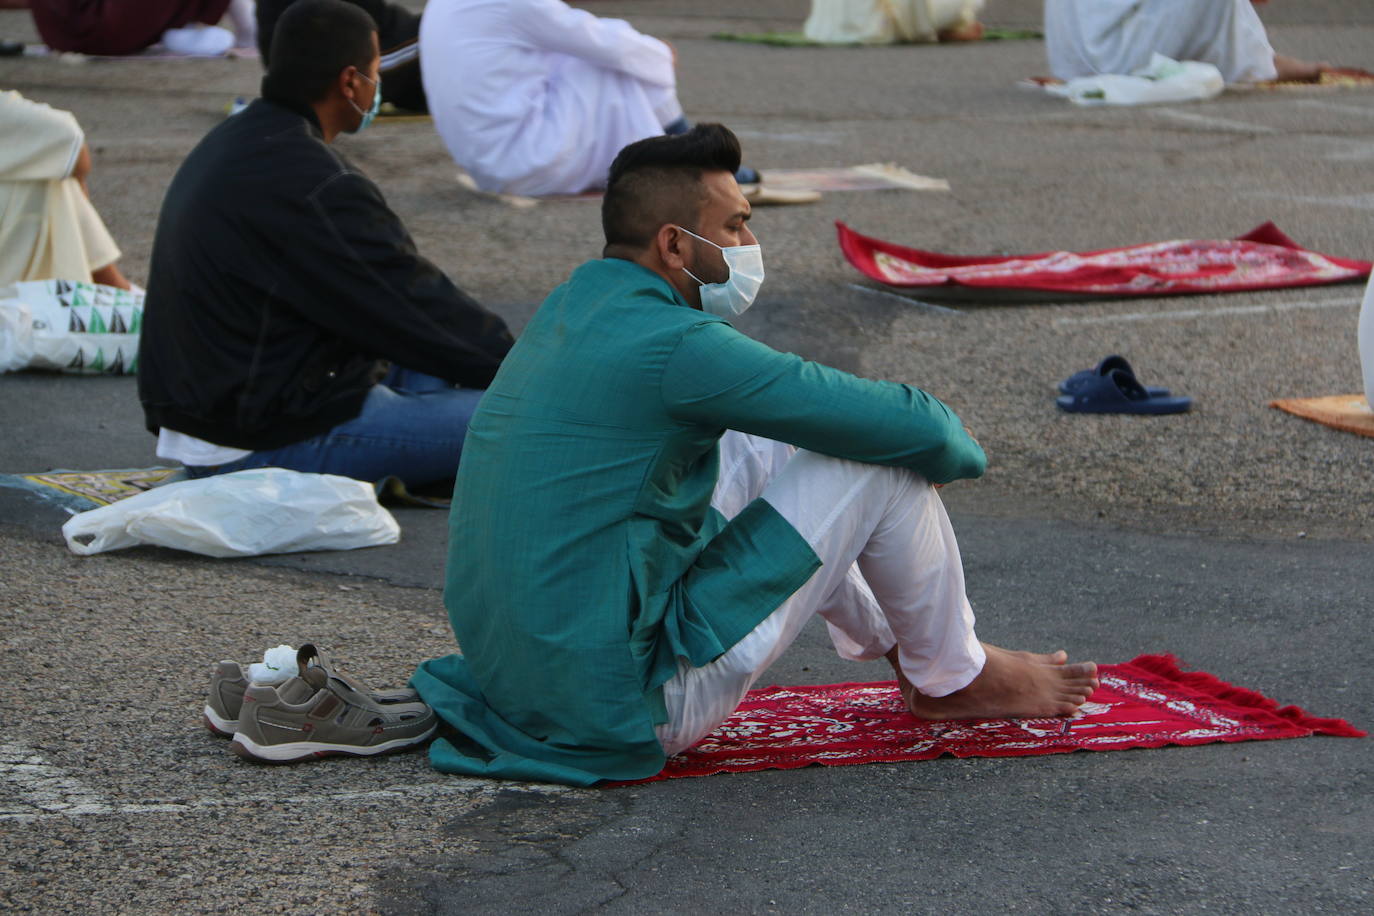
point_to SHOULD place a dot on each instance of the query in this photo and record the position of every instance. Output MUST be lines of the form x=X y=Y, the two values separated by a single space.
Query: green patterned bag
x=82 y=328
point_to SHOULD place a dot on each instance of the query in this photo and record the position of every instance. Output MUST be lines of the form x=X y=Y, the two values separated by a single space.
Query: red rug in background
x=1148 y=702
x=1263 y=258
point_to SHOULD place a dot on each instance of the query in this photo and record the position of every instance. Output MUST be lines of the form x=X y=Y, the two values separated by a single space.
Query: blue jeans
x=411 y=426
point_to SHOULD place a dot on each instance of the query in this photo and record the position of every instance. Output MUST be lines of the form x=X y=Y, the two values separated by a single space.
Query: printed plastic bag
x=83 y=328
x=246 y=513
x=1163 y=80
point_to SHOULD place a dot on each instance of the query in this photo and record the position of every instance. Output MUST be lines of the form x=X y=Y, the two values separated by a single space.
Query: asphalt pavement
x=1234 y=536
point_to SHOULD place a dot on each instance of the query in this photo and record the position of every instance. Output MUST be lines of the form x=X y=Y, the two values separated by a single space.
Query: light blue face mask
x=733 y=295
x=371 y=113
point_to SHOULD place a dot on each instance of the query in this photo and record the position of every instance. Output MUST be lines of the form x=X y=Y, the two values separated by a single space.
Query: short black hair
x=311 y=44
x=658 y=180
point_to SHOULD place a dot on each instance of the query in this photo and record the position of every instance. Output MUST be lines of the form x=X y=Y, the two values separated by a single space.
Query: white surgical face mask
x=733 y=296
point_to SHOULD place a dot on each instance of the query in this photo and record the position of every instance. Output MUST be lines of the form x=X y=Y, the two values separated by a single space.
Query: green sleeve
x=719 y=377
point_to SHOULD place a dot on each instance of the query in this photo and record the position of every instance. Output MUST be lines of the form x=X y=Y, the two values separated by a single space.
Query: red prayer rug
x=1329 y=78
x=1264 y=258
x=1148 y=702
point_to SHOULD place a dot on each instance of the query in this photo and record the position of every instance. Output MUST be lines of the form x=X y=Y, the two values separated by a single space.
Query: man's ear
x=671 y=244
x=344 y=81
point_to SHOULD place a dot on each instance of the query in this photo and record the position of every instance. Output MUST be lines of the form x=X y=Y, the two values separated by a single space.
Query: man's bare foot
x=971 y=32
x=1292 y=70
x=1012 y=685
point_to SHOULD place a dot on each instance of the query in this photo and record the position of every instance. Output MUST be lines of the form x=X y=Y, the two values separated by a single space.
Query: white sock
x=278 y=666
x=244 y=15
x=198 y=41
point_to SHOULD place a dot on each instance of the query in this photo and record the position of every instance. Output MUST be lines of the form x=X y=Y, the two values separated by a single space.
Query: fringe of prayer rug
x=79 y=491
x=1264 y=258
x=1331 y=78
x=799 y=39
x=154 y=52
x=390 y=114
x=1147 y=702
x=874 y=176
x=1347 y=412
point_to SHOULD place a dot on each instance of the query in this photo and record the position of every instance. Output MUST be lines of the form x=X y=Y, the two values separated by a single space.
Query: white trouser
x=1367 y=342
x=890 y=575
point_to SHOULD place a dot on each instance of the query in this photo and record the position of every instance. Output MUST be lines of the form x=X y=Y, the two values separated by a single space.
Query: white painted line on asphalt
x=1350 y=150
x=1187 y=314
x=46 y=791
x=42 y=785
x=1354 y=201
x=826 y=137
x=1337 y=107
x=907 y=300
x=1225 y=124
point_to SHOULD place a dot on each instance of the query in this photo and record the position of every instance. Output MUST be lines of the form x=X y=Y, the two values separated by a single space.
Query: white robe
x=48 y=228
x=1089 y=37
x=534 y=97
x=885 y=22
x=1367 y=342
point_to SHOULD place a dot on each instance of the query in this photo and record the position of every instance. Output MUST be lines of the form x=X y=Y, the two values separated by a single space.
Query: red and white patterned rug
x=1263 y=258
x=1148 y=702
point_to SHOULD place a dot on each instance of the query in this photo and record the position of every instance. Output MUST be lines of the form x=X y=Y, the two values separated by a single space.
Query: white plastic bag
x=16 y=336
x=1163 y=80
x=246 y=513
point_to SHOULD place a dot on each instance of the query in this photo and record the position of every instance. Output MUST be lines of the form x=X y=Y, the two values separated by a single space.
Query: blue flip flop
x=1119 y=392
x=1078 y=379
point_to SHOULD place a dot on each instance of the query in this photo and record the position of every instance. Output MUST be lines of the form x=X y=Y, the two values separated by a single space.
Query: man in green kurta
x=651 y=504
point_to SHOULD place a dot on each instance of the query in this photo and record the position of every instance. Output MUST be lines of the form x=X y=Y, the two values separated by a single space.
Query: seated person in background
x=48 y=228
x=118 y=27
x=280 y=280
x=534 y=97
x=1367 y=342
x=1090 y=37
x=652 y=505
x=398 y=32
x=885 y=22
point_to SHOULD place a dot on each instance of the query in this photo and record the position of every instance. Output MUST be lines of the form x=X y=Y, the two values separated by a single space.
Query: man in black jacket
x=280 y=283
x=398 y=33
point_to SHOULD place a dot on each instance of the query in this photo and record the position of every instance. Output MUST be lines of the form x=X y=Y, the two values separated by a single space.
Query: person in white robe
x=533 y=97
x=885 y=22
x=1366 y=341
x=1091 y=37
x=48 y=227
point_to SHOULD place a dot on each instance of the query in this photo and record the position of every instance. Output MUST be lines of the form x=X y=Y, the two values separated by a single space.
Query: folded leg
x=889 y=521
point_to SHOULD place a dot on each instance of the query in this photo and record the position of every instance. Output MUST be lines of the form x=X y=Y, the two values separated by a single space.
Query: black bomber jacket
x=280 y=285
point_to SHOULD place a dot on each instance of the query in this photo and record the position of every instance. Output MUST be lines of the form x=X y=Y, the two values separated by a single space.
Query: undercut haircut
x=659 y=180
x=312 y=43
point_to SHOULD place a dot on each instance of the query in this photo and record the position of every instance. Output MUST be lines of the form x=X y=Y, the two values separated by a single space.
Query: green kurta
x=584 y=555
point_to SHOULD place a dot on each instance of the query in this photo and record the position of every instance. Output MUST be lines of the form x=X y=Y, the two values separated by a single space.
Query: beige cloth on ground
x=48 y=228
x=885 y=22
